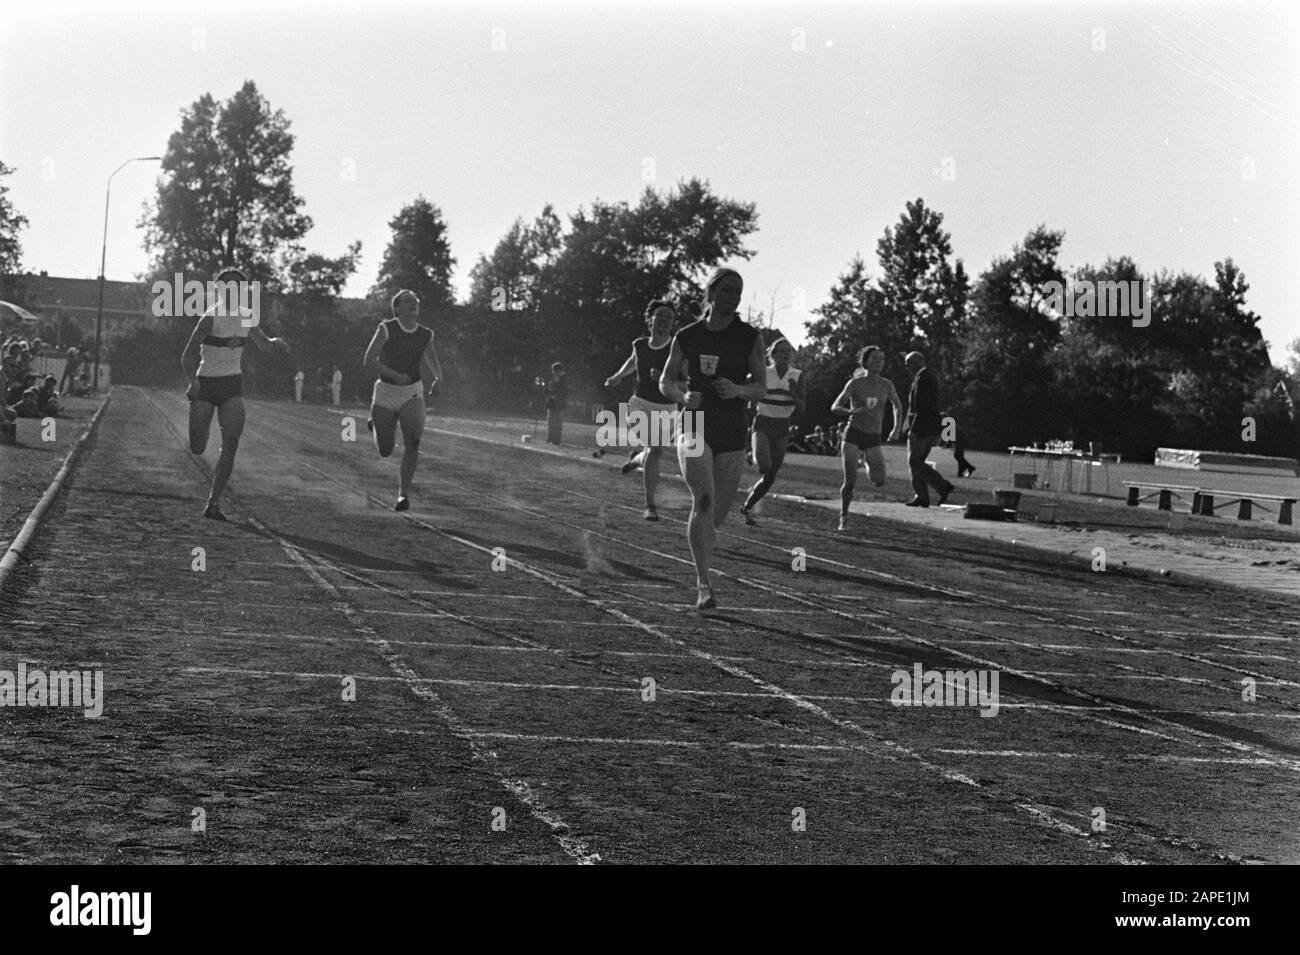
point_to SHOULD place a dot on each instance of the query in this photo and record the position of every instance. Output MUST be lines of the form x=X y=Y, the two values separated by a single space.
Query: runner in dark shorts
x=771 y=429
x=213 y=362
x=646 y=362
x=725 y=367
x=863 y=401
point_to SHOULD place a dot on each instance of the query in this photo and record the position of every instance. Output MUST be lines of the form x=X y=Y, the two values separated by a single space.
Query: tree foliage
x=226 y=195
x=418 y=256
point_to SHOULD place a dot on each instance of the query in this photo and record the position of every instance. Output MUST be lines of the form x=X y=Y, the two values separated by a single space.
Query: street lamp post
x=103 y=258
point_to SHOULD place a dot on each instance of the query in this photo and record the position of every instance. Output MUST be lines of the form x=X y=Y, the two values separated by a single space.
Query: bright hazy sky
x=1166 y=132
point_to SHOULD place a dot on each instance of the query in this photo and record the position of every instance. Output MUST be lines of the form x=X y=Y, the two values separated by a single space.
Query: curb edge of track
x=33 y=522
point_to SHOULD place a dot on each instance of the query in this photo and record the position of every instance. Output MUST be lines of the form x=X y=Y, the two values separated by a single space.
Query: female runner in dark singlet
x=646 y=361
x=863 y=402
x=725 y=367
x=402 y=355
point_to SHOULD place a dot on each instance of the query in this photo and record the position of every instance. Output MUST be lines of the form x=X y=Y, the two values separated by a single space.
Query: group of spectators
x=822 y=440
x=25 y=393
x=817 y=441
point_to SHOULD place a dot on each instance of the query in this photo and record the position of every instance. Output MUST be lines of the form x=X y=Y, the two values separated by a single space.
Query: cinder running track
x=506 y=715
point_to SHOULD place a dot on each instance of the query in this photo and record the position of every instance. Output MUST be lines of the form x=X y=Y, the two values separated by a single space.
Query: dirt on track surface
x=504 y=715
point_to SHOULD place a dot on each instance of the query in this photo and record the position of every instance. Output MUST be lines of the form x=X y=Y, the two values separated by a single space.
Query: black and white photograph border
x=448 y=433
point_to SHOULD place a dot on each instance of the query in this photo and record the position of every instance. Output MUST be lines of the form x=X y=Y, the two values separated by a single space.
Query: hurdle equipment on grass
x=1203 y=503
x=1206 y=500
x=1166 y=493
x=1215 y=460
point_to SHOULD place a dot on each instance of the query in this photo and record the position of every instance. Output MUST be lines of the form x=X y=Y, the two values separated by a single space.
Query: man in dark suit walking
x=924 y=425
x=557 y=398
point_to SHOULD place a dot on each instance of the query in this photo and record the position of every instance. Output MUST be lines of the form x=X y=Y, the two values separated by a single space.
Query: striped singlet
x=221 y=351
x=779 y=401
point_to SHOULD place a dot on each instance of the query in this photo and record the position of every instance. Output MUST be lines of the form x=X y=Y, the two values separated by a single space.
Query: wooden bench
x=1203 y=503
x=1165 y=491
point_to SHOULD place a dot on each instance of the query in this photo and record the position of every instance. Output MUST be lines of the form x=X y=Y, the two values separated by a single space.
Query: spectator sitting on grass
x=28 y=404
x=17 y=386
x=47 y=399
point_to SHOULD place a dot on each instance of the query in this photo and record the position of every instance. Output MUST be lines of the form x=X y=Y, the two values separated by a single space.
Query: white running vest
x=779 y=402
x=219 y=360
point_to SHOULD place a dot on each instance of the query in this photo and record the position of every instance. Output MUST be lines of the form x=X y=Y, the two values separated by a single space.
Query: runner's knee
x=412 y=444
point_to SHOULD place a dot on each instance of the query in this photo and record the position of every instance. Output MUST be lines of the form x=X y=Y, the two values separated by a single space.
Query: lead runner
x=215 y=352
x=725 y=367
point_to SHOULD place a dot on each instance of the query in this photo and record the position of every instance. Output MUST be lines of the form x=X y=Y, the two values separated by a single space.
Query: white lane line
x=1110 y=757
x=1158 y=652
x=847 y=748
x=667 y=690
x=635 y=689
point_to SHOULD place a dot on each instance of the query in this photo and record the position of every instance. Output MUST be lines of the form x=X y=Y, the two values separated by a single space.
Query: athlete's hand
x=611 y=381
x=433 y=388
x=726 y=388
x=893 y=436
x=693 y=399
x=192 y=392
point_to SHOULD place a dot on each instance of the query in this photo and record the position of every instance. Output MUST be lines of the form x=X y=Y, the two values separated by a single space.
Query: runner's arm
x=898 y=413
x=670 y=385
x=261 y=339
x=800 y=404
x=841 y=404
x=429 y=362
x=756 y=388
x=373 y=364
x=628 y=368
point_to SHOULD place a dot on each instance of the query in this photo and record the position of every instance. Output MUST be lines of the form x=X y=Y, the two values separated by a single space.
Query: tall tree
x=509 y=279
x=1109 y=378
x=11 y=249
x=418 y=256
x=226 y=195
x=1213 y=352
x=921 y=290
x=11 y=222
x=317 y=276
x=1006 y=373
x=918 y=301
x=853 y=317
